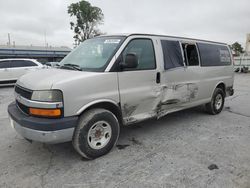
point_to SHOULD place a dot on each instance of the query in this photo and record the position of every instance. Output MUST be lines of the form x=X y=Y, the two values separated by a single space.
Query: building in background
x=42 y=54
x=247 y=49
x=243 y=60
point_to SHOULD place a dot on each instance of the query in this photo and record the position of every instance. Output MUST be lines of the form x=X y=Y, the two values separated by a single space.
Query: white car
x=12 y=69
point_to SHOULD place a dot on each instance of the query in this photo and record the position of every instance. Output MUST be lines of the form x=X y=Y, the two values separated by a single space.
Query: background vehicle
x=12 y=69
x=109 y=81
x=53 y=64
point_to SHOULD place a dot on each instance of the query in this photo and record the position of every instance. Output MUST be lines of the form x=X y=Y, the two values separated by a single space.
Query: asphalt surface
x=184 y=149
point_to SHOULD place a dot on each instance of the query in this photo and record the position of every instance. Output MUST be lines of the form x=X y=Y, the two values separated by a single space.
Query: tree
x=87 y=17
x=237 y=48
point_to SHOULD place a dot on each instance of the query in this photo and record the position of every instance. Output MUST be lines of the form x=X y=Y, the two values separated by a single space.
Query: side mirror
x=131 y=61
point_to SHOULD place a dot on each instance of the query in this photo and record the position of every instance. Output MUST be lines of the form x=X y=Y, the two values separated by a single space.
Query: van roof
x=168 y=36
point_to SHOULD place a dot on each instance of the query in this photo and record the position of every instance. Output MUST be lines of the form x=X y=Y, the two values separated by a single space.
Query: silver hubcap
x=218 y=101
x=99 y=135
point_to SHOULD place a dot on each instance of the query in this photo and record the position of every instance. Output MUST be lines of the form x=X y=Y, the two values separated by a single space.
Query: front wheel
x=96 y=133
x=217 y=102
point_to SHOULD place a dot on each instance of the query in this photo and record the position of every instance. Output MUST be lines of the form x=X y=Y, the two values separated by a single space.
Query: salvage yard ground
x=184 y=149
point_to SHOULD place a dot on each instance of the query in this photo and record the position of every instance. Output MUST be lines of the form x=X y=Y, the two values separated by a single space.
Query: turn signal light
x=45 y=112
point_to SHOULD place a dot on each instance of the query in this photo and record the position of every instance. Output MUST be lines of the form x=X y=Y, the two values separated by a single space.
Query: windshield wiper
x=71 y=66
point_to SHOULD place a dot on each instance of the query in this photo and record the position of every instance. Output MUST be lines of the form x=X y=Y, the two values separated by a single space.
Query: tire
x=217 y=102
x=96 y=134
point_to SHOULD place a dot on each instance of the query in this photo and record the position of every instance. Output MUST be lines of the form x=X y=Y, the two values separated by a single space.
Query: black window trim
x=116 y=64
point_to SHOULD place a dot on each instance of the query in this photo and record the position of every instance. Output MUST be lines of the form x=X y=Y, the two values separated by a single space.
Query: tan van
x=116 y=80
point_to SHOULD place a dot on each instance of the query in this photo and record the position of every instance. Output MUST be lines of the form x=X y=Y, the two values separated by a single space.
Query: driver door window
x=144 y=50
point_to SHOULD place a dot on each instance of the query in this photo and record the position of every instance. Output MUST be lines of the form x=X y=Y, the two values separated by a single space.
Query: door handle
x=158 y=77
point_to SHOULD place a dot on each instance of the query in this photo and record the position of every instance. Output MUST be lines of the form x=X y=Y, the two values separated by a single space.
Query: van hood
x=45 y=79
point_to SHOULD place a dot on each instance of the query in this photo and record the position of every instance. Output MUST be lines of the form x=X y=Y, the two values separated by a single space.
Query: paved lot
x=175 y=151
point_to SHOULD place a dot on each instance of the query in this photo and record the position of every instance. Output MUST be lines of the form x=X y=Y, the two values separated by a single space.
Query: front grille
x=23 y=92
x=22 y=107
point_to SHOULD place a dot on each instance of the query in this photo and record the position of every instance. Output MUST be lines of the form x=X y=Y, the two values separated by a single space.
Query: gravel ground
x=184 y=149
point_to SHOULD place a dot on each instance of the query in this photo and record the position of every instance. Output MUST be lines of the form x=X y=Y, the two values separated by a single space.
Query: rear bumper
x=42 y=129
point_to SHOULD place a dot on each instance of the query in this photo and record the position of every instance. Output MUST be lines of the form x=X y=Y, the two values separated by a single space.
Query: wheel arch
x=105 y=104
x=220 y=85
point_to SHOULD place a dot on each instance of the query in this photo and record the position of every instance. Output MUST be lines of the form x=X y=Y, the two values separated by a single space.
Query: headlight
x=47 y=96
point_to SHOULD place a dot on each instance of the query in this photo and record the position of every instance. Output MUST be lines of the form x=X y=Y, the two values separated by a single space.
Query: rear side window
x=214 y=55
x=29 y=64
x=5 y=64
x=172 y=54
x=22 y=63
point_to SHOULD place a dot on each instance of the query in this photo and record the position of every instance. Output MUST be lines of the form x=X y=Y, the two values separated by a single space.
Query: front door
x=139 y=87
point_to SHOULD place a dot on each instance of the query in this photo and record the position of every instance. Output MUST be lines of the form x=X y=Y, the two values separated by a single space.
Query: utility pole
x=45 y=39
x=8 y=39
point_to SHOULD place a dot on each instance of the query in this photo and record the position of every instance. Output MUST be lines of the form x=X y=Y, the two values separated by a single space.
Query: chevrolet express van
x=115 y=80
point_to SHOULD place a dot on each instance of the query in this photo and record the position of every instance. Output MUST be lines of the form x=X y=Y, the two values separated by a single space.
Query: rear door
x=193 y=71
x=5 y=72
x=139 y=87
x=179 y=79
x=216 y=66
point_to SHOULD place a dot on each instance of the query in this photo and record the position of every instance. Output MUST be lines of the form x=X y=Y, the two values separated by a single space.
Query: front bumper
x=42 y=129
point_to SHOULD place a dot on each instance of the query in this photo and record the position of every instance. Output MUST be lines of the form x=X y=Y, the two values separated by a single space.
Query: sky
x=39 y=22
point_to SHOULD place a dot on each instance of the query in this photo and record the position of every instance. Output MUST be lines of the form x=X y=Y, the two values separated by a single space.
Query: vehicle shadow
x=169 y=120
x=129 y=134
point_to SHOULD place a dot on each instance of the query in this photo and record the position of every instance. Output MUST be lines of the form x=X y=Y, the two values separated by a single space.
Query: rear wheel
x=96 y=133
x=217 y=102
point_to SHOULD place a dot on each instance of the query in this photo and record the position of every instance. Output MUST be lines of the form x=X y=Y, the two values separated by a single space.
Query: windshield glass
x=93 y=54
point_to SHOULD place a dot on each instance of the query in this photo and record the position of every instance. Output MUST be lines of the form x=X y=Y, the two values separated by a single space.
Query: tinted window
x=5 y=64
x=22 y=63
x=214 y=55
x=190 y=54
x=29 y=64
x=144 y=50
x=172 y=54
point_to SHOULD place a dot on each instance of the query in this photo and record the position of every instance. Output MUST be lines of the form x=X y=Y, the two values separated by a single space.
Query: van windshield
x=92 y=54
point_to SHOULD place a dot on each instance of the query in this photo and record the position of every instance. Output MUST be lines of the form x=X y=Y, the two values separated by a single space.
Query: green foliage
x=87 y=17
x=237 y=48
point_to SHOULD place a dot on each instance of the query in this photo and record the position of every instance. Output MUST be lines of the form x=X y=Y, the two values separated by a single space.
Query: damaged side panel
x=142 y=97
x=181 y=93
x=176 y=96
x=159 y=101
x=139 y=105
